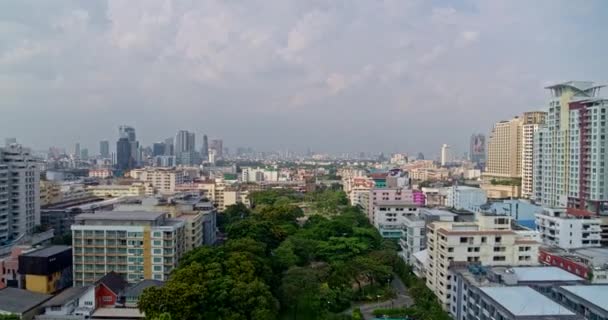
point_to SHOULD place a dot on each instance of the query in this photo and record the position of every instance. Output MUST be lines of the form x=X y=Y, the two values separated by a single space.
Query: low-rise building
x=590 y=302
x=100 y=173
x=589 y=263
x=47 y=270
x=164 y=180
x=387 y=209
x=9 y=268
x=71 y=303
x=22 y=303
x=116 y=191
x=561 y=229
x=465 y=198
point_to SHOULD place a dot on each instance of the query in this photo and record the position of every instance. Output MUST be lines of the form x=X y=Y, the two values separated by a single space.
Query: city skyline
x=286 y=76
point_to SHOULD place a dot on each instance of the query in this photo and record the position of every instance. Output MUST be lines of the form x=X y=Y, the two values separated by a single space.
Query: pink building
x=419 y=197
x=9 y=266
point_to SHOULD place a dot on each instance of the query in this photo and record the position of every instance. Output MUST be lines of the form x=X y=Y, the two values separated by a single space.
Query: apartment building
x=465 y=198
x=136 y=245
x=164 y=180
x=508 y=293
x=358 y=191
x=413 y=232
x=19 y=193
x=137 y=189
x=388 y=208
x=570 y=156
x=489 y=241
x=559 y=228
x=532 y=121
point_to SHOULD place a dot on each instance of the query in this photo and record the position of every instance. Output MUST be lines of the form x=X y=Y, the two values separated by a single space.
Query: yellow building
x=47 y=270
x=50 y=192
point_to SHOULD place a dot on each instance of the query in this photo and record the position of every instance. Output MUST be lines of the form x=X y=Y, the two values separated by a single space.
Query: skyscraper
x=104 y=149
x=185 y=152
x=124 y=160
x=218 y=146
x=445 y=154
x=531 y=122
x=158 y=149
x=169 y=147
x=477 y=152
x=19 y=193
x=134 y=154
x=504 y=150
x=77 y=150
x=84 y=154
x=205 y=150
x=570 y=155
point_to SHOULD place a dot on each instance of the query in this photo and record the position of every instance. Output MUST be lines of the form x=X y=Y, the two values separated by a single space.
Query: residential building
x=19 y=193
x=22 y=303
x=559 y=228
x=504 y=150
x=465 y=198
x=532 y=121
x=131 y=295
x=60 y=216
x=477 y=150
x=136 y=245
x=50 y=192
x=413 y=232
x=387 y=209
x=117 y=191
x=588 y=263
x=508 y=293
x=445 y=155
x=47 y=270
x=100 y=173
x=164 y=180
x=489 y=241
x=71 y=303
x=570 y=155
x=591 y=302
x=249 y=174
x=9 y=268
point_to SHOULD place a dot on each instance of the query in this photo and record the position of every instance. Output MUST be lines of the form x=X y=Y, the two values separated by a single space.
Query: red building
x=570 y=263
x=108 y=289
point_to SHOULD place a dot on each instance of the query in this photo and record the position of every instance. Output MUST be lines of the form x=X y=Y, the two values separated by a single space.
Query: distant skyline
x=357 y=75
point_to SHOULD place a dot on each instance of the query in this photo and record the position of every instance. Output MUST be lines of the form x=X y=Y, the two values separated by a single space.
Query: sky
x=330 y=75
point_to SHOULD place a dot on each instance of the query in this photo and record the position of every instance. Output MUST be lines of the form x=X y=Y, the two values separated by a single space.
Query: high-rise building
x=445 y=154
x=137 y=245
x=205 y=150
x=218 y=146
x=532 y=121
x=570 y=149
x=185 y=145
x=169 y=147
x=77 y=151
x=124 y=160
x=19 y=193
x=504 y=150
x=477 y=152
x=128 y=132
x=158 y=149
x=84 y=154
x=104 y=149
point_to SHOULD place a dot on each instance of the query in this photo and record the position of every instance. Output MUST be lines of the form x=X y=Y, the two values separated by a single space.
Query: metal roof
x=544 y=274
x=48 y=251
x=597 y=295
x=524 y=301
x=19 y=301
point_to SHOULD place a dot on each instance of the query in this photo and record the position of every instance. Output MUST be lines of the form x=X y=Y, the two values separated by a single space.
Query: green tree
x=300 y=291
x=9 y=317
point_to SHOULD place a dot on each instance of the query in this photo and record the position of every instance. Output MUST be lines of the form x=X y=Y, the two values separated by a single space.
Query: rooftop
x=544 y=274
x=48 y=251
x=525 y=301
x=66 y=296
x=121 y=215
x=19 y=301
x=438 y=212
x=579 y=85
x=597 y=295
x=137 y=289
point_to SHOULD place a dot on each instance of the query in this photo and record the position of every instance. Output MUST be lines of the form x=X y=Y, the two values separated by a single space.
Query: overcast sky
x=332 y=75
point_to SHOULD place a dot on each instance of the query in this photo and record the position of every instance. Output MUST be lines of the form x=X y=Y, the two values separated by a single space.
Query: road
x=402 y=300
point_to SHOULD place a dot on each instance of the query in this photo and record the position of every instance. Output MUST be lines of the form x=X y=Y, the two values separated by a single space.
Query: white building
x=489 y=241
x=259 y=175
x=19 y=193
x=465 y=198
x=558 y=228
x=413 y=233
x=388 y=208
x=532 y=121
x=445 y=154
x=164 y=180
x=570 y=157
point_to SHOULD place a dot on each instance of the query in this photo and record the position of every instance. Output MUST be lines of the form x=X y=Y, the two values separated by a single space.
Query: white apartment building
x=164 y=180
x=259 y=174
x=445 y=155
x=558 y=228
x=570 y=155
x=388 y=208
x=413 y=233
x=137 y=245
x=532 y=121
x=489 y=241
x=115 y=191
x=465 y=198
x=19 y=193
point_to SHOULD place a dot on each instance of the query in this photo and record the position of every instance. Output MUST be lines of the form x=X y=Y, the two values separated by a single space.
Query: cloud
x=421 y=68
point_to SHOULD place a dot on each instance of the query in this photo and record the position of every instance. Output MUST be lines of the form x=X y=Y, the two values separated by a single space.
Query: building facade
x=136 y=245
x=465 y=198
x=559 y=228
x=477 y=150
x=532 y=121
x=47 y=270
x=164 y=180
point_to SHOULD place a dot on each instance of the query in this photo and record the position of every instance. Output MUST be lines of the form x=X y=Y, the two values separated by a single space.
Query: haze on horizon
x=351 y=75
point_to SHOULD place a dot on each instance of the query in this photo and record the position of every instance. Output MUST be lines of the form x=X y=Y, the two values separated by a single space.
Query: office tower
x=124 y=160
x=84 y=154
x=218 y=146
x=77 y=151
x=570 y=149
x=19 y=193
x=185 y=152
x=169 y=147
x=205 y=151
x=532 y=121
x=128 y=132
x=137 y=245
x=477 y=152
x=504 y=150
x=420 y=156
x=104 y=149
x=445 y=154
x=158 y=149
x=489 y=241
x=9 y=141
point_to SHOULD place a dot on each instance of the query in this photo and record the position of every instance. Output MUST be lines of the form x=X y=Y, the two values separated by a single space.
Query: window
x=497 y=239
x=88 y=303
x=499 y=258
x=106 y=298
x=157 y=251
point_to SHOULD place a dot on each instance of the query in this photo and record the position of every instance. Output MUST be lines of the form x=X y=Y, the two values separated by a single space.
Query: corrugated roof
x=18 y=301
x=65 y=296
x=525 y=301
